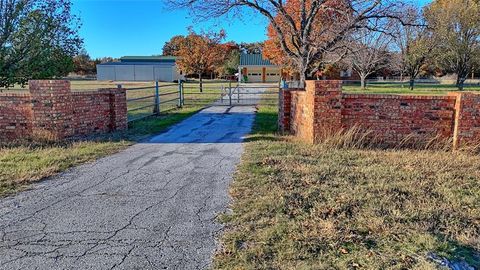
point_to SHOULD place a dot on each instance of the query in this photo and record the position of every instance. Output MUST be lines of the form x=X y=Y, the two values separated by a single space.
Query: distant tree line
x=443 y=37
x=312 y=37
x=83 y=64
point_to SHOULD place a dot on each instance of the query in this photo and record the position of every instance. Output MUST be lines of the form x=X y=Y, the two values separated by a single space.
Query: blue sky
x=141 y=27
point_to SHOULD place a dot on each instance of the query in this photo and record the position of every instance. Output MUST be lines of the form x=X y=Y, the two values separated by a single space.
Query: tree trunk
x=462 y=73
x=363 y=78
x=461 y=82
x=303 y=74
x=302 y=81
x=201 y=82
x=412 y=83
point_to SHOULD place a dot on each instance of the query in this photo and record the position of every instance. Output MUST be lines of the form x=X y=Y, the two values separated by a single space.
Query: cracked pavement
x=152 y=206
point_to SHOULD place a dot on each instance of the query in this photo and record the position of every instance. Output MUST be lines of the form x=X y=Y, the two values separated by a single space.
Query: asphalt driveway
x=152 y=206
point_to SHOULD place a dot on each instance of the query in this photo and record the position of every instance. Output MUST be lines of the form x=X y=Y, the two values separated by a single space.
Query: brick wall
x=322 y=110
x=91 y=112
x=391 y=118
x=15 y=116
x=51 y=110
x=467 y=119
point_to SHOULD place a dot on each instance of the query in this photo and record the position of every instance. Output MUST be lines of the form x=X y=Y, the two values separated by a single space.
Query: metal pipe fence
x=147 y=101
x=211 y=92
x=143 y=102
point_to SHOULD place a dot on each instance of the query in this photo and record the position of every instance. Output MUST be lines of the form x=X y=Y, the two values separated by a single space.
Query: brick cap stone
x=324 y=85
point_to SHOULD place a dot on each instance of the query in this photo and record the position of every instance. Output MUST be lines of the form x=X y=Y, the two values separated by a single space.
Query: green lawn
x=298 y=206
x=399 y=88
x=27 y=162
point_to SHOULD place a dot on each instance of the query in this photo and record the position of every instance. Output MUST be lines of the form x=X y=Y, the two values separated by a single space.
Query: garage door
x=255 y=77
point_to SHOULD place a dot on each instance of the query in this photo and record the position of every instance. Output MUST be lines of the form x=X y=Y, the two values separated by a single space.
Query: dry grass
x=22 y=165
x=342 y=205
x=364 y=139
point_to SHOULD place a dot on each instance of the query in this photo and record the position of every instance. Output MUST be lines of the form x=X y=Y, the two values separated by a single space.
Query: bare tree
x=413 y=43
x=456 y=28
x=369 y=53
x=298 y=28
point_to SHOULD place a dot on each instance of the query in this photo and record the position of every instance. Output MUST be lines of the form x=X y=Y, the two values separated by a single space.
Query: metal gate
x=248 y=95
x=228 y=93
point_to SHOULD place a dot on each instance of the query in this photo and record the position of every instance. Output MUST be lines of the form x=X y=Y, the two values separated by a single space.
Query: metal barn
x=140 y=68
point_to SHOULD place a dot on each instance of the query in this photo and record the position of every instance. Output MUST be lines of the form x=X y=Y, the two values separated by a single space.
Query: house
x=254 y=68
x=140 y=68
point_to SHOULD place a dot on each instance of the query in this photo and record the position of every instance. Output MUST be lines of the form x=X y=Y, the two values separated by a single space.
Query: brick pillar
x=52 y=109
x=327 y=108
x=118 y=105
x=284 y=106
x=467 y=119
x=118 y=108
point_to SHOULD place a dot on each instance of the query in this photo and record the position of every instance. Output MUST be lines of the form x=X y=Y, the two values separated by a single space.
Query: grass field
x=298 y=206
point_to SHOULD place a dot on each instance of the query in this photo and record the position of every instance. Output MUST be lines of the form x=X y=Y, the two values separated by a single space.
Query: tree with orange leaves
x=200 y=53
x=304 y=30
x=327 y=25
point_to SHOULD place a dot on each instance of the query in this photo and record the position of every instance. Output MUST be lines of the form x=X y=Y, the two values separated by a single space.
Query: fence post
x=230 y=93
x=238 y=93
x=222 y=92
x=156 y=108
x=180 y=93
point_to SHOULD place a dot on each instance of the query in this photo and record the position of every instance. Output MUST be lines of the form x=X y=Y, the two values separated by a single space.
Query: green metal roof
x=254 y=60
x=148 y=59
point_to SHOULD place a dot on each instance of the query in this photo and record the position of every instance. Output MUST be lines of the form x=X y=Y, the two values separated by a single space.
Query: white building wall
x=125 y=73
x=144 y=73
x=105 y=73
x=122 y=72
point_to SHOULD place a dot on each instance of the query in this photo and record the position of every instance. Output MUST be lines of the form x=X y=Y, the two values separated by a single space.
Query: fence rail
x=143 y=102
x=210 y=92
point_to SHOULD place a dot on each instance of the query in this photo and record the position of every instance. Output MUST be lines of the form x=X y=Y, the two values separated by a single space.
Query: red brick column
x=467 y=119
x=284 y=105
x=118 y=105
x=327 y=108
x=301 y=115
x=118 y=108
x=52 y=110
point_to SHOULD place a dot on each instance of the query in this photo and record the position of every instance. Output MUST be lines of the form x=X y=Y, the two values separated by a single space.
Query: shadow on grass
x=257 y=138
x=455 y=255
